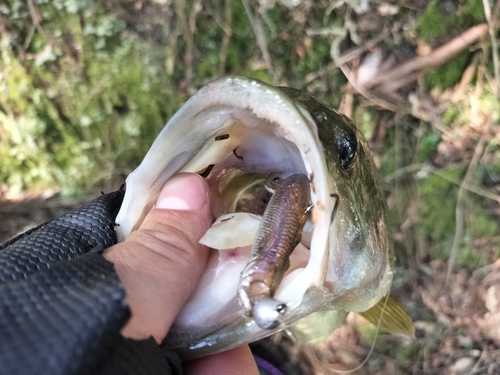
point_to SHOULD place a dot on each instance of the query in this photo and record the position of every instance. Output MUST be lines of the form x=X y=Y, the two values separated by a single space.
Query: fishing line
x=372 y=347
x=334 y=212
x=369 y=353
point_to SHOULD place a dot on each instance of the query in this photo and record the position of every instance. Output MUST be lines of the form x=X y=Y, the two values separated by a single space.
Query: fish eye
x=348 y=149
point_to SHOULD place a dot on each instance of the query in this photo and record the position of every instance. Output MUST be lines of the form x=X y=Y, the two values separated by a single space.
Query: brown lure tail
x=278 y=235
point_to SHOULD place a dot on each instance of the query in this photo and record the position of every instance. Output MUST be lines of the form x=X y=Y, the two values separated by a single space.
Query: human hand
x=160 y=264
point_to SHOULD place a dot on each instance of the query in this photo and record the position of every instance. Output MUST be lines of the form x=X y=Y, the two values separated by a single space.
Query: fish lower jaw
x=222 y=294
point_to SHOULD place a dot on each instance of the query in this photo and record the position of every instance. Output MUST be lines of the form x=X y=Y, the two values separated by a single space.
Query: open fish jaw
x=251 y=132
x=267 y=131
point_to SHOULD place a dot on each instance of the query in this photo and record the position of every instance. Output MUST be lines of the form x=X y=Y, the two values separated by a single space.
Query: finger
x=160 y=263
x=238 y=361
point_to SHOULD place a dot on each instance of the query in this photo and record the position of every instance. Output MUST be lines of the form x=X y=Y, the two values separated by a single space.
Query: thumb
x=160 y=263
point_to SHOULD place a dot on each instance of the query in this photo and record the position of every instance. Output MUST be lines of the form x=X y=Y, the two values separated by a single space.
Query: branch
x=228 y=32
x=461 y=196
x=494 y=46
x=435 y=58
x=258 y=30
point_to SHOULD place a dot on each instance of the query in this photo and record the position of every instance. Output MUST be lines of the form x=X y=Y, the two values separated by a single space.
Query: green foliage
x=453 y=113
x=428 y=145
x=439 y=199
x=437 y=21
x=363 y=118
x=86 y=106
x=86 y=92
x=438 y=202
x=450 y=73
x=388 y=159
x=404 y=354
x=484 y=225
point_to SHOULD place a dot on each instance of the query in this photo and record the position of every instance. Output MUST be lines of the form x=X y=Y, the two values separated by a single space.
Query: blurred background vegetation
x=86 y=85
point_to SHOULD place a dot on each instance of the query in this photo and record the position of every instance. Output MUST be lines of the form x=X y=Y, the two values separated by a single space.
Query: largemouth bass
x=241 y=134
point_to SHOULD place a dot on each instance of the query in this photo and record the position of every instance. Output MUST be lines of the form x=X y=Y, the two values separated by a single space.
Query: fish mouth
x=239 y=133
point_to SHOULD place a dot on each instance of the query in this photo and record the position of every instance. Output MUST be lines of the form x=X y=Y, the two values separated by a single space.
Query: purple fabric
x=267 y=366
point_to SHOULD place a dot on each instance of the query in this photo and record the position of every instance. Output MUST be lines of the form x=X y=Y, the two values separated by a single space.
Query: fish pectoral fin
x=394 y=319
x=317 y=326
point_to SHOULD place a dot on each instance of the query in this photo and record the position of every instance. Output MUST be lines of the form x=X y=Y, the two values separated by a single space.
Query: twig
x=437 y=57
x=461 y=197
x=190 y=29
x=27 y=41
x=195 y=10
x=371 y=97
x=427 y=168
x=476 y=365
x=346 y=57
x=228 y=32
x=466 y=79
x=488 y=268
x=319 y=73
x=426 y=111
x=402 y=107
x=35 y=17
x=35 y=25
x=347 y=102
x=394 y=86
x=468 y=186
x=183 y=23
x=218 y=20
x=494 y=47
x=258 y=30
x=351 y=54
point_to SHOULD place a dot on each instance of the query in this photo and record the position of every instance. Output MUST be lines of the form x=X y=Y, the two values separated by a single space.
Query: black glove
x=62 y=305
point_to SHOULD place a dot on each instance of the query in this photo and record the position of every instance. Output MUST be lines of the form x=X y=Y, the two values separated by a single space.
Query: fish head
x=239 y=133
x=360 y=252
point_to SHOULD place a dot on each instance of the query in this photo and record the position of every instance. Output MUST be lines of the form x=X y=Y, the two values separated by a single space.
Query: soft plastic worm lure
x=279 y=233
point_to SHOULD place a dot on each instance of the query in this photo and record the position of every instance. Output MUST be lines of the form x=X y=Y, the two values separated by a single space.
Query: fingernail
x=184 y=191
